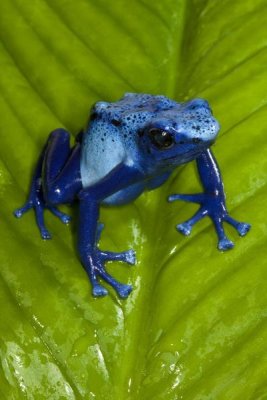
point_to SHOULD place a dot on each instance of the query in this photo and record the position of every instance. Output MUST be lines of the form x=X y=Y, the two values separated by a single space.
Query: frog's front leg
x=93 y=259
x=56 y=179
x=212 y=202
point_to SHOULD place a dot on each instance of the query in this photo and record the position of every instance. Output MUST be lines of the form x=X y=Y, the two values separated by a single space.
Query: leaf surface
x=195 y=325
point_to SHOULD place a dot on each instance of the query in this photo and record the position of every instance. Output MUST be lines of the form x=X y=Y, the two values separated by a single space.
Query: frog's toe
x=184 y=228
x=65 y=218
x=173 y=197
x=45 y=234
x=243 y=228
x=18 y=213
x=130 y=257
x=195 y=198
x=225 y=244
x=123 y=290
x=124 y=256
x=99 y=290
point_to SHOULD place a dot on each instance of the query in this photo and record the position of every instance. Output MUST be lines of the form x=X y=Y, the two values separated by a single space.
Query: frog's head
x=181 y=133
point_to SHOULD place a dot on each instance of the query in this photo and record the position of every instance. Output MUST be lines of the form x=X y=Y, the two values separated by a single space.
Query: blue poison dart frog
x=128 y=146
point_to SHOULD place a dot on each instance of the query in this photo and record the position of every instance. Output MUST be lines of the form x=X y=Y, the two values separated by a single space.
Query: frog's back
x=111 y=135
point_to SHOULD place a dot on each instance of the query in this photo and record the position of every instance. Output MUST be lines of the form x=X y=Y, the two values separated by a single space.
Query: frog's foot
x=124 y=256
x=214 y=207
x=94 y=265
x=241 y=227
x=37 y=204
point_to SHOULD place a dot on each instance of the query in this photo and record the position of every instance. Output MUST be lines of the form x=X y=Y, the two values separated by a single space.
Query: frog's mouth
x=192 y=149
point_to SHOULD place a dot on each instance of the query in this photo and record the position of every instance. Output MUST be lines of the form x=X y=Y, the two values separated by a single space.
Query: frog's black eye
x=160 y=138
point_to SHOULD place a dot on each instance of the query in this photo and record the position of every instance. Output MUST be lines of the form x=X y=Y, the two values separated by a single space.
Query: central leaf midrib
x=140 y=327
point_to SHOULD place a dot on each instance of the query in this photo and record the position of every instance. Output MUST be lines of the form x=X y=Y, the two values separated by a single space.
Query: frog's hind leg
x=51 y=162
x=36 y=201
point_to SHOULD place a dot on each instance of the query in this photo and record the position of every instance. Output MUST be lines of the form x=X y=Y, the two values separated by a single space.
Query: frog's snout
x=204 y=132
x=215 y=127
x=198 y=133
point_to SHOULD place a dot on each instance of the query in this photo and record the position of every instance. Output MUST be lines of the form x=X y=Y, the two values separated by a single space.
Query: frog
x=128 y=146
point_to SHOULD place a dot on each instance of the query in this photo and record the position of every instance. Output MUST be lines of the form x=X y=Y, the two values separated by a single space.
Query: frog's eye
x=160 y=138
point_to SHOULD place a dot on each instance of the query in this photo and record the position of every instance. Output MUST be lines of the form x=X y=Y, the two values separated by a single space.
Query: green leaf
x=195 y=325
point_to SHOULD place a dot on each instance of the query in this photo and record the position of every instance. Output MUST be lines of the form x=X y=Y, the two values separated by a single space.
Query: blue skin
x=129 y=146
